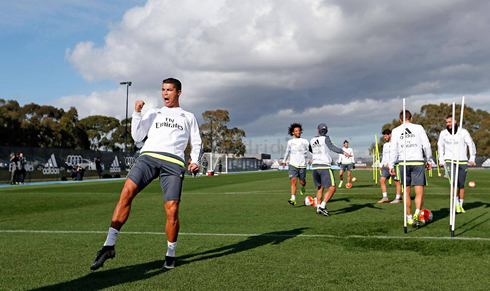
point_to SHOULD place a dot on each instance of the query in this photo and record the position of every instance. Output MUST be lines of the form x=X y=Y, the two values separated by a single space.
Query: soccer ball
x=471 y=184
x=425 y=216
x=314 y=204
x=354 y=179
x=348 y=185
x=440 y=174
x=308 y=201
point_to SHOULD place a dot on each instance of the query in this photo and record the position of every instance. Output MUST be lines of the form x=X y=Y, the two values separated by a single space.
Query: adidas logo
x=317 y=142
x=51 y=167
x=182 y=114
x=407 y=131
x=407 y=134
x=115 y=166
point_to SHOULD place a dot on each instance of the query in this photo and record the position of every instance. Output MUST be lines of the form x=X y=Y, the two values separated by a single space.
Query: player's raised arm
x=140 y=125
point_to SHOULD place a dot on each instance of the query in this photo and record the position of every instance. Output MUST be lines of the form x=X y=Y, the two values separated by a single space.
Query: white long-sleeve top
x=298 y=148
x=445 y=146
x=386 y=154
x=320 y=149
x=417 y=144
x=346 y=160
x=168 y=130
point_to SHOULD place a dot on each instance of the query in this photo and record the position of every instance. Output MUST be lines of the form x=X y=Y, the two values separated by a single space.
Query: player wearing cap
x=346 y=163
x=417 y=143
x=320 y=147
x=297 y=147
x=168 y=129
x=445 y=147
x=385 y=170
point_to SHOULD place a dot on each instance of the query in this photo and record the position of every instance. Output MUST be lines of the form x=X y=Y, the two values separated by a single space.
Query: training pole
x=377 y=155
x=437 y=161
x=404 y=170
x=374 y=168
x=456 y=195
x=451 y=178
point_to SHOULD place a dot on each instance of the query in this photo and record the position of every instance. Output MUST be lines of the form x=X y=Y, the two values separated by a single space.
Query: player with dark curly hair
x=297 y=147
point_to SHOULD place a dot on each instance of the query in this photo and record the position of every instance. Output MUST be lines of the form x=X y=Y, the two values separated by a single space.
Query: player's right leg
x=120 y=216
x=142 y=173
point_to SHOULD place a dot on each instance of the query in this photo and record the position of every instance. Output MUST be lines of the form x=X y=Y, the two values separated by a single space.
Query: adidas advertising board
x=115 y=167
x=52 y=168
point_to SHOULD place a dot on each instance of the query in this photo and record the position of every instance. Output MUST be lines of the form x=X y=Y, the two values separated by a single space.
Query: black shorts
x=323 y=177
x=297 y=172
x=415 y=174
x=461 y=172
x=346 y=167
x=149 y=166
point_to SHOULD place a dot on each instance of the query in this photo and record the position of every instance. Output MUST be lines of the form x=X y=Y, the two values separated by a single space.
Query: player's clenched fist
x=139 y=105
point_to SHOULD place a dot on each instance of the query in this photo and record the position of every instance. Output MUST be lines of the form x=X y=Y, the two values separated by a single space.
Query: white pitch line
x=255 y=235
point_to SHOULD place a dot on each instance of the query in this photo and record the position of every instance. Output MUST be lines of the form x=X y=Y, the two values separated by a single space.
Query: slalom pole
x=451 y=179
x=437 y=161
x=457 y=166
x=377 y=154
x=374 y=166
x=404 y=170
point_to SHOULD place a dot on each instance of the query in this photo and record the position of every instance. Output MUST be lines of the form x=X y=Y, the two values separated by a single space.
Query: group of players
x=169 y=129
x=405 y=147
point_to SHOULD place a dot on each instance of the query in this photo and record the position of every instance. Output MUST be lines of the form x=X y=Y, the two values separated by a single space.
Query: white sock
x=417 y=211
x=293 y=197
x=409 y=217
x=323 y=205
x=397 y=196
x=111 y=237
x=171 y=248
x=461 y=202
x=385 y=194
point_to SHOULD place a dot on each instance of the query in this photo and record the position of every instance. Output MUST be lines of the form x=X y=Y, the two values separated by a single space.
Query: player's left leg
x=349 y=175
x=328 y=180
x=341 y=176
x=302 y=180
x=172 y=189
x=461 y=181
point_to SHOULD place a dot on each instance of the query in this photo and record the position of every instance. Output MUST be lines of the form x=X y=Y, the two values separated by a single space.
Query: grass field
x=238 y=232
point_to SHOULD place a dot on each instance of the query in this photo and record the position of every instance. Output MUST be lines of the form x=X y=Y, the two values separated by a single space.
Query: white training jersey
x=320 y=150
x=168 y=131
x=417 y=144
x=297 y=147
x=445 y=146
x=386 y=154
x=346 y=160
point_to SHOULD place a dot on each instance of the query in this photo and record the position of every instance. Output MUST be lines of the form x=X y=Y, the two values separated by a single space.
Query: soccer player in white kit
x=417 y=143
x=346 y=163
x=385 y=170
x=320 y=147
x=298 y=148
x=445 y=147
x=169 y=129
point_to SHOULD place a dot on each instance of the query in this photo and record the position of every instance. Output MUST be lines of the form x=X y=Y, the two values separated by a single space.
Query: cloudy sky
x=347 y=63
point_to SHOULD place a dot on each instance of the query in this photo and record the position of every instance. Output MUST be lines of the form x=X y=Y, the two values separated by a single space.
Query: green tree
x=99 y=130
x=433 y=118
x=217 y=137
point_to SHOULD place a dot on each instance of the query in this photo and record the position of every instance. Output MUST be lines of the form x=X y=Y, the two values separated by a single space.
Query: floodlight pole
x=128 y=83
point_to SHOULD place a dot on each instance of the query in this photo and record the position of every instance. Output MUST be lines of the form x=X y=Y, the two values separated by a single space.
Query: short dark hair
x=449 y=116
x=345 y=141
x=408 y=115
x=177 y=84
x=293 y=126
x=386 y=131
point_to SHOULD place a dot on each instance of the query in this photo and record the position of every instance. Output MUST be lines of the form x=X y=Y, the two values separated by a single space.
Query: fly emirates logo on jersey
x=170 y=123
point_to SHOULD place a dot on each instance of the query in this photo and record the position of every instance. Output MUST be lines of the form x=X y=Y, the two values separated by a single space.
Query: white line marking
x=256 y=235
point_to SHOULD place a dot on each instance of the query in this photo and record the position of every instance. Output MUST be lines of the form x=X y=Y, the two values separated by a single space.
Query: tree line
x=433 y=118
x=45 y=126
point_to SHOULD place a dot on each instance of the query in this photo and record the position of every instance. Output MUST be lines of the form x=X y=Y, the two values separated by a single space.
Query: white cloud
x=271 y=62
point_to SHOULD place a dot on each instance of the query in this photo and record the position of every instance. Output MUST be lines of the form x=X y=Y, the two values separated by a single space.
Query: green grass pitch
x=238 y=233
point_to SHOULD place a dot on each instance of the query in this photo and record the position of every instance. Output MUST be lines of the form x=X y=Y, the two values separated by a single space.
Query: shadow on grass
x=111 y=278
x=444 y=212
x=251 y=242
x=354 y=207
